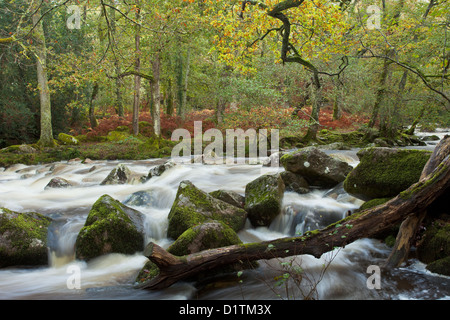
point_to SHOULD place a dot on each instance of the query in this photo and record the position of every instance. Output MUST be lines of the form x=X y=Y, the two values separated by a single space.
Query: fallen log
x=364 y=224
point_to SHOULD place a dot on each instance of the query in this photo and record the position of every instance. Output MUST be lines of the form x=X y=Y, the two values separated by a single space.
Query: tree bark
x=46 y=135
x=156 y=66
x=317 y=101
x=119 y=100
x=92 y=118
x=416 y=121
x=137 y=78
x=182 y=83
x=185 y=88
x=364 y=224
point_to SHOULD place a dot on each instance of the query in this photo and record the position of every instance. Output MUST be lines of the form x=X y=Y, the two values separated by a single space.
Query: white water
x=112 y=276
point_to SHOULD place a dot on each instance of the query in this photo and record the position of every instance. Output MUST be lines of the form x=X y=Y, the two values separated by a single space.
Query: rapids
x=339 y=274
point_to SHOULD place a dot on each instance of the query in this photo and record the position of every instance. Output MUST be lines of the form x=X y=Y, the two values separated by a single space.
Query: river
x=340 y=274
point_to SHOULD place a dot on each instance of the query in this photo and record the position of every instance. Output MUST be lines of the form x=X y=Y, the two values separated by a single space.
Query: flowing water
x=339 y=274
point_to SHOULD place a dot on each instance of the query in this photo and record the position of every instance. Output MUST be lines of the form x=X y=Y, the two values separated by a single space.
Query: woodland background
x=86 y=67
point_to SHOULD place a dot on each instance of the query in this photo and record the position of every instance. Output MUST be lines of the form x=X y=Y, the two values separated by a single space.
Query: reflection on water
x=22 y=188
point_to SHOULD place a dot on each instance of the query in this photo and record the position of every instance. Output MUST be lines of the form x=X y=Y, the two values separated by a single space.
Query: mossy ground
x=129 y=148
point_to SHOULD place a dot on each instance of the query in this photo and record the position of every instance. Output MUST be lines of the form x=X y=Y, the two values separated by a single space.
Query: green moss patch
x=109 y=229
x=384 y=172
x=193 y=206
x=23 y=238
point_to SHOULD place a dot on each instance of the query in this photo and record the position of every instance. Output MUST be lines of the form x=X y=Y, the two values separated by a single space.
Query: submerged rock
x=140 y=198
x=59 y=182
x=23 y=238
x=385 y=172
x=110 y=227
x=294 y=182
x=158 y=170
x=318 y=168
x=193 y=206
x=263 y=198
x=121 y=175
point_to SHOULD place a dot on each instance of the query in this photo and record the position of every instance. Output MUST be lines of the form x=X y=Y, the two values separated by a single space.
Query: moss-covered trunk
x=317 y=102
x=137 y=77
x=46 y=135
x=156 y=66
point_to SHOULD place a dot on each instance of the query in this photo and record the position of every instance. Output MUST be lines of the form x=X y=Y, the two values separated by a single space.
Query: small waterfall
x=314 y=210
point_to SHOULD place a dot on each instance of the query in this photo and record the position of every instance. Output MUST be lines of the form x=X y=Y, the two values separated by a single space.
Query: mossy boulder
x=118 y=135
x=67 y=139
x=208 y=235
x=20 y=149
x=110 y=227
x=263 y=197
x=441 y=266
x=193 y=206
x=373 y=203
x=435 y=243
x=385 y=172
x=23 y=238
x=318 y=168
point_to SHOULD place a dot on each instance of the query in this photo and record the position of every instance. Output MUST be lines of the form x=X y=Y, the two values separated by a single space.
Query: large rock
x=294 y=182
x=159 y=170
x=193 y=206
x=434 y=247
x=263 y=197
x=23 y=238
x=385 y=172
x=110 y=227
x=318 y=168
x=121 y=174
x=208 y=235
x=58 y=183
x=230 y=197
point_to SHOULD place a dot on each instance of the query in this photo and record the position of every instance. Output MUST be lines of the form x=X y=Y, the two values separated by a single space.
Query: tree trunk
x=156 y=94
x=46 y=135
x=92 y=118
x=169 y=102
x=380 y=94
x=416 y=121
x=410 y=226
x=365 y=224
x=119 y=101
x=185 y=88
x=317 y=101
x=137 y=78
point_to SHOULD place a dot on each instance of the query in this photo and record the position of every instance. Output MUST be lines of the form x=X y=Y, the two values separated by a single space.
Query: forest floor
x=112 y=138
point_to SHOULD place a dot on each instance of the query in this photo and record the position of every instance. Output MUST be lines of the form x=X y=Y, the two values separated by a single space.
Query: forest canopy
x=83 y=66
